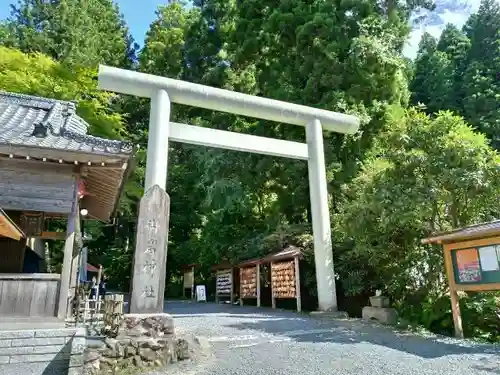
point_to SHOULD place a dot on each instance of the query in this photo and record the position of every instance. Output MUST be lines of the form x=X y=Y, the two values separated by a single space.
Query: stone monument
x=150 y=258
x=380 y=310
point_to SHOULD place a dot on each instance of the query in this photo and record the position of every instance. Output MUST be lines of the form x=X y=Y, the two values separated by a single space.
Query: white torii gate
x=164 y=91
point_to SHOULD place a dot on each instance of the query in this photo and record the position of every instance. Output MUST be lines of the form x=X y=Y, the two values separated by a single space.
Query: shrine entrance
x=165 y=91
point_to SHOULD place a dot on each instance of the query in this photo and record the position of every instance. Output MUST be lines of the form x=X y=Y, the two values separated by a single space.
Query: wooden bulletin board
x=224 y=284
x=283 y=279
x=248 y=282
x=473 y=265
x=476 y=265
x=472 y=262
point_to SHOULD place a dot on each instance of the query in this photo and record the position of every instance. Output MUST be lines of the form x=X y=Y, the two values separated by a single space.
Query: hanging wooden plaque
x=224 y=282
x=248 y=282
x=283 y=279
x=32 y=223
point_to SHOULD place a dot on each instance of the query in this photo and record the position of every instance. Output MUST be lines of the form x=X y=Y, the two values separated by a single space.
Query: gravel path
x=255 y=341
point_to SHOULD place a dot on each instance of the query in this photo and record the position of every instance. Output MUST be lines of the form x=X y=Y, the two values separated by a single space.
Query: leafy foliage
x=404 y=175
x=81 y=32
x=36 y=74
x=425 y=175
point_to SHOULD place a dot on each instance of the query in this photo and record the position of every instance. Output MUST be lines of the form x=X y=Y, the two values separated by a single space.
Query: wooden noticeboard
x=285 y=280
x=224 y=284
x=476 y=265
x=472 y=262
x=248 y=282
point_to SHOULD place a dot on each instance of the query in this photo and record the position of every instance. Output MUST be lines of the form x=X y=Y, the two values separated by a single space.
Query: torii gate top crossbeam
x=187 y=93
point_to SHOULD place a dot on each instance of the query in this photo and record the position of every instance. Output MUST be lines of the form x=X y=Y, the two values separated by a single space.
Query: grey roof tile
x=64 y=130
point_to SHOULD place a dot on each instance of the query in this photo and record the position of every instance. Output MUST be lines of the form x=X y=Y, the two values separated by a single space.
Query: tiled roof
x=51 y=124
x=473 y=231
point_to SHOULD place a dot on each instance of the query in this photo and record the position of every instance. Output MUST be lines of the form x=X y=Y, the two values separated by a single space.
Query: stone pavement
x=251 y=341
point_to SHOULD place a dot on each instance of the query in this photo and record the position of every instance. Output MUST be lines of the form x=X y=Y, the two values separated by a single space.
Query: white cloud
x=447 y=11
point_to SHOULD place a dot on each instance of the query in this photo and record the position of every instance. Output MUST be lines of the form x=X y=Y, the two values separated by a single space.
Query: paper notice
x=488 y=258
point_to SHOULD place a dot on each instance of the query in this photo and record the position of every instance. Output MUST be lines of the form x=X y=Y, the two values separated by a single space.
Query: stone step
x=42 y=351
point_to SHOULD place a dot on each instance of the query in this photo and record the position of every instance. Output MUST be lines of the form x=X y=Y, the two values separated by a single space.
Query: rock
x=380 y=301
x=382 y=314
x=111 y=362
x=137 y=325
x=130 y=351
x=92 y=356
x=110 y=342
x=147 y=354
x=143 y=340
x=123 y=341
x=110 y=353
x=138 y=361
x=182 y=350
x=159 y=363
x=148 y=342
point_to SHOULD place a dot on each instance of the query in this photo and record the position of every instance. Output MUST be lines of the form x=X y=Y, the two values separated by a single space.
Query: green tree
x=36 y=74
x=433 y=80
x=425 y=174
x=481 y=79
x=291 y=52
x=81 y=32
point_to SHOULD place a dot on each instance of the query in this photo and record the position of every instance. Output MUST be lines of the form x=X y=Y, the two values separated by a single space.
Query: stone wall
x=42 y=351
x=143 y=340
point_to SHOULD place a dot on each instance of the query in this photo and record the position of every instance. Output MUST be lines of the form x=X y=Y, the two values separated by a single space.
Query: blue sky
x=139 y=17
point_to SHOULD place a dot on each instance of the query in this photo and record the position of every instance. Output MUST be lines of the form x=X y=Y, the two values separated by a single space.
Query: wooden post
x=231 y=296
x=150 y=258
x=75 y=264
x=241 y=287
x=455 y=306
x=457 y=316
x=216 y=287
x=297 y=284
x=258 y=284
x=99 y=277
x=192 y=283
x=99 y=274
x=273 y=300
x=113 y=310
x=69 y=244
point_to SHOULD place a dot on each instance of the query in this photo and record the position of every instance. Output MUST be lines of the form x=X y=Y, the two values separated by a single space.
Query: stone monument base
x=143 y=340
x=385 y=315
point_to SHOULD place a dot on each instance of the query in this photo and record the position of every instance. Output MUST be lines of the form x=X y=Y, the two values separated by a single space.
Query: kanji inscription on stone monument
x=150 y=258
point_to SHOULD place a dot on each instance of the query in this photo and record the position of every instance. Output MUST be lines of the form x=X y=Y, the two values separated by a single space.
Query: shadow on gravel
x=488 y=368
x=343 y=332
x=355 y=332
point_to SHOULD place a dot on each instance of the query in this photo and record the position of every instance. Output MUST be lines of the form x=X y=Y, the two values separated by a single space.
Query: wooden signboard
x=248 y=282
x=472 y=262
x=32 y=223
x=188 y=279
x=224 y=283
x=476 y=265
x=283 y=279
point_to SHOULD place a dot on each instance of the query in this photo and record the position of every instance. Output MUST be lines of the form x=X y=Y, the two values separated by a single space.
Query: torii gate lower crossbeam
x=163 y=91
